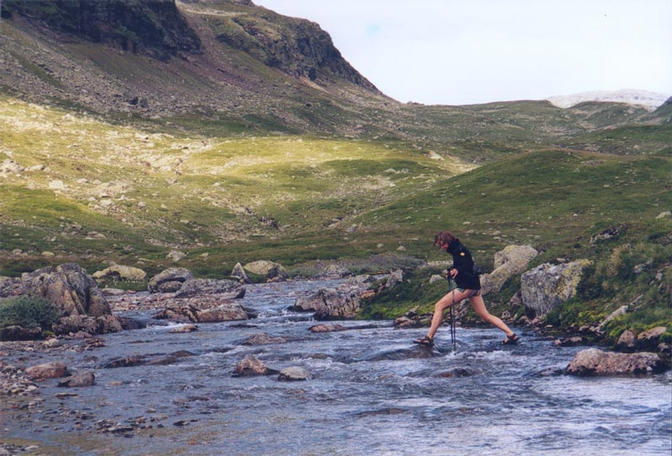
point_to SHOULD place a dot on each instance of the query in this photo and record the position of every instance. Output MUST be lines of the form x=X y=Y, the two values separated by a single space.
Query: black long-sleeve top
x=467 y=277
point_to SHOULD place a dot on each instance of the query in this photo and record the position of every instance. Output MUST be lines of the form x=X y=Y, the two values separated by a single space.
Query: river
x=372 y=392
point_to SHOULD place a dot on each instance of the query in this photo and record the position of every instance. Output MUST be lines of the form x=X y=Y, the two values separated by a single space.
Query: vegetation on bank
x=27 y=312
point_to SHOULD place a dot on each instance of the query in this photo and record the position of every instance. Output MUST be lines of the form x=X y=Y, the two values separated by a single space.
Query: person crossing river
x=468 y=287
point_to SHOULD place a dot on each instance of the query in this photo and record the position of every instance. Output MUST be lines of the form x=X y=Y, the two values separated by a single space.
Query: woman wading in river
x=468 y=287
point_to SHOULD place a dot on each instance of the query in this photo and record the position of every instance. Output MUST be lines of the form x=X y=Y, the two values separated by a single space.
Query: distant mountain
x=649 y=100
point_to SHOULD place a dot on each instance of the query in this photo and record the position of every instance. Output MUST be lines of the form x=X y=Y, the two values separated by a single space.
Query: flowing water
x=372 y=392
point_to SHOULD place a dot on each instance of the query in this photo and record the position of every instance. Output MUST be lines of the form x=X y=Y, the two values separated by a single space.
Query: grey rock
x=184 y=329
x=240 y=274
x=546 y=286
x=330 y=303
x=169 y=280
x=267 y=269
x=508 y=262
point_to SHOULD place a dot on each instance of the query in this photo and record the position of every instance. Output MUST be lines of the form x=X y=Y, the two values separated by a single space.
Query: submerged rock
x=79 y=379
x=326 y=328
x=250 y=366
x=264 y=339
x=597 y=362
x=184 y=329
x=226 y=289
x=294 y=373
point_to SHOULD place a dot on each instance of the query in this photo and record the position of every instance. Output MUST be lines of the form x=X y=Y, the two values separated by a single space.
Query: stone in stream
x=79 y=379
x=184 y=329
x=264 y=339
x=127 y=361
x=569 y=341
x=171 y=358
x=458 y=372
x=45 y=371
x=205 y=310
x=294 y=373
x=326 y=328
x=270 y=271
x=597 y=362
x=129 y=323
x=251 y=366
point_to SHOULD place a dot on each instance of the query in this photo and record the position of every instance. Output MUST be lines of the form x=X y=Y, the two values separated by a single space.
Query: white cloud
x=455 y=51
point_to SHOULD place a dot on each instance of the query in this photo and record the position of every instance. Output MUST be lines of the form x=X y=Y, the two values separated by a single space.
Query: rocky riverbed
x=346 y=387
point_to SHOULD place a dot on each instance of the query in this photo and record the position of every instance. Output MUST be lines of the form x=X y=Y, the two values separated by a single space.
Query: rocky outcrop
x=546 y=286
x=597 y=362
x=76 y=296
x=118 y=272
x=508 y=262
x=15 y=332
x=267 y=270
x=155 y=28
x=69 y=288
x=169 y=280
x=225 y=289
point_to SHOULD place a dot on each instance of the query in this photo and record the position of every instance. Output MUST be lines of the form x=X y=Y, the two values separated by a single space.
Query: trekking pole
x=453 y=333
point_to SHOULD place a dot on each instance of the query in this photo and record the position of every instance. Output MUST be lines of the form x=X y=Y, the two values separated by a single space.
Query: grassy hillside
x=79 y=187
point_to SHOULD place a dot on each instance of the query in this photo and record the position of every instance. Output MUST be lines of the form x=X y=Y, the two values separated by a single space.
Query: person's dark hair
x=444 y=237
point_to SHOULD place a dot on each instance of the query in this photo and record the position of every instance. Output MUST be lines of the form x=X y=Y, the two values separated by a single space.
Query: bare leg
x=448 y=300
x=479 y=306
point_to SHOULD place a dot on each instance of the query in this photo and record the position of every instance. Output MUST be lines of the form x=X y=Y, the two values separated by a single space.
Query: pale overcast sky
x=474 y=51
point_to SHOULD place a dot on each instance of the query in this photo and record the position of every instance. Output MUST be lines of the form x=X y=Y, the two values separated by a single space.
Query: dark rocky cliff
x=153 y=27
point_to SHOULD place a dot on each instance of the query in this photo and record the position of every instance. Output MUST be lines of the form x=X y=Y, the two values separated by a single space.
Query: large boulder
x=169 y=281
x=69 y=288
x=204 y=311
x=597 y=362
x=226 y=289
x=293 y=374
x=73 y=324
x=328 y=303
x=508 y=262
x=546 y=286
x=118 y=272
x=267 y=270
